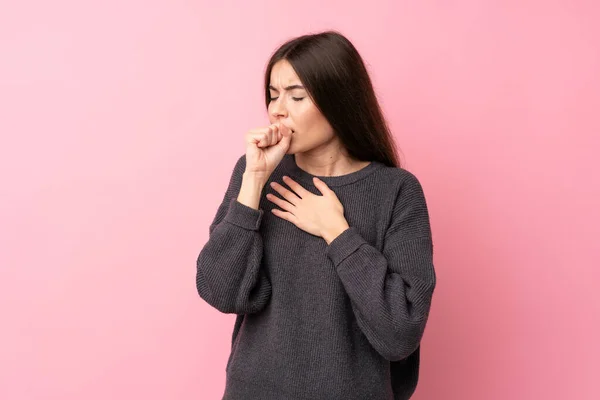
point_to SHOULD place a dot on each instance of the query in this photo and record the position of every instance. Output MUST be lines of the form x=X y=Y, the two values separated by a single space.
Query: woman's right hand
x=265 y=148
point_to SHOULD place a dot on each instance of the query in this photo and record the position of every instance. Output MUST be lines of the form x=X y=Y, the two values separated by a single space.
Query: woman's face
x=291 y=105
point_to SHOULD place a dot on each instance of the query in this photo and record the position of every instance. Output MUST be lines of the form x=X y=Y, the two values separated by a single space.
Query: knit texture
x=317 y=321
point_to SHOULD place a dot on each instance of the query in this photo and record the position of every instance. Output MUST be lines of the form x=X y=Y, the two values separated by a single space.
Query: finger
x=261 y=136
x=279 y=133
x=264 y=129
x=276 y=133
x=273 y=134
x=266 y=137
x=296 y=187
x=280 y=202
x=285 y=193
x=286 y=215
x=285 y=129
x=322 y=186
x=260 y=139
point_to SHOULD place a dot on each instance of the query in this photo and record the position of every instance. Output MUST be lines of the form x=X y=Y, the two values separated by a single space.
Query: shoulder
x=400 y=180
x=405 y=194
x=236 y=175
x=238 y=169
x=409 y=209
x=240 y=164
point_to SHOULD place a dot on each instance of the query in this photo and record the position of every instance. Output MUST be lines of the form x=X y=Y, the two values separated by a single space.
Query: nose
x=278 y=109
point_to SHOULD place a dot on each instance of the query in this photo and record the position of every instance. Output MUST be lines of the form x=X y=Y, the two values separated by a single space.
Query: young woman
x=322 y=243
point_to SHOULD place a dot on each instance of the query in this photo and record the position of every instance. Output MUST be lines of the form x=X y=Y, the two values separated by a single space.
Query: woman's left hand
x=321 y=216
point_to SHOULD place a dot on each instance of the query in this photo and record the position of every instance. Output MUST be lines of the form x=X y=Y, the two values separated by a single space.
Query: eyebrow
x=291 y=87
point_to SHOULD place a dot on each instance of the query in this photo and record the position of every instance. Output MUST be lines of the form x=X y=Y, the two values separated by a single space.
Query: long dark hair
x=335 y=77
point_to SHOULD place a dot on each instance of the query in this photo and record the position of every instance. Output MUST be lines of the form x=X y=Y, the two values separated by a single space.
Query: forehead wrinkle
x=276 y=77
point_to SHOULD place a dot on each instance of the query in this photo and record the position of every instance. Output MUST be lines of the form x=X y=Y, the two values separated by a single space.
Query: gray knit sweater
x=317 y=321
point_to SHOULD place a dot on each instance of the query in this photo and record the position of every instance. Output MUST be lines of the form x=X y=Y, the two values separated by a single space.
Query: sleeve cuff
x=345 y=244
x=243 y=216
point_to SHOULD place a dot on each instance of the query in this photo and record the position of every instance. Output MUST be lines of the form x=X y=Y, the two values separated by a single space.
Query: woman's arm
x=391 y=290
x=229 y=275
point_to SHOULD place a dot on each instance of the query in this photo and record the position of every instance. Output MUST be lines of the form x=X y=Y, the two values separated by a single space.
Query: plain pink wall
x=121 y=122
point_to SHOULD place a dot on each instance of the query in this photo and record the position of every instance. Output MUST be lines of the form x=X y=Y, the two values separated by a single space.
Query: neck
x=333 y=162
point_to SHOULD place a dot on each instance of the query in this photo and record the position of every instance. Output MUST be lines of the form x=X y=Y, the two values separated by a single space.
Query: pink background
x=121 y=122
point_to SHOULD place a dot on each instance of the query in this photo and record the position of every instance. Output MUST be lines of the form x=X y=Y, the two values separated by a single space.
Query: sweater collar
x=295 y=172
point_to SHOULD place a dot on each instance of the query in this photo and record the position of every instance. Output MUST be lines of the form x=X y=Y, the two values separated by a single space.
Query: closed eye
x=293 y=98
